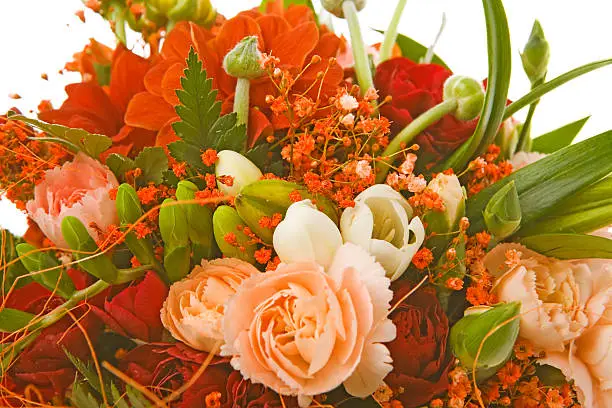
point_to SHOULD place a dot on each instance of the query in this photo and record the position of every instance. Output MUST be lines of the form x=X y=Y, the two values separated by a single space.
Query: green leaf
x=199 y=218
x=502 y=215
x=153 y=162
x=120 y=402
x=414 y=50
x=86 y=250
x=12 y=320
x=177 y=262
x=188 y=153
x=119 y=164
x=76 y=139
x=539 y=91
x=173 y=224
x=8 y=253
x=229 y=135
x=136 y=398
x=54 y=279
x=542 y=185
x=82 y=396
x=569 y=246
x=491 y=117
x=227 y=221
x=267 y=160
x=558 y=138
x=86 y=370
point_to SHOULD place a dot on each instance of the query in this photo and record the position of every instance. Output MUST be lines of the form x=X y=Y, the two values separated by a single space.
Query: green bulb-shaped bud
x=536 y=54
x=230 y=236
x=335 y=6
x=468 y=93
x=502 y=215
x=243 y=61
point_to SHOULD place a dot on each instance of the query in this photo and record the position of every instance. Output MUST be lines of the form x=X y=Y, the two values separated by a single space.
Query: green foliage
x=75 y=139
x=558 y=138
x=415 y=51
x=457 y=270
x=227 y=221
x=12 y=320
x=201 y=126
x=569 y=246
x=53 y=278
x=151 y=160
x=268 y=161
x=119 y=164
x=502 y=215
x=16 y=270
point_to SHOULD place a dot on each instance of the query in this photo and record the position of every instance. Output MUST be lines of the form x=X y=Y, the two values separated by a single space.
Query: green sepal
x=177 y=262
x=569 y=246
x=54 y=279
x=226 y=221
x=467 y=335
x=264 y=198
x=502 y=215
x=86 y=251
x=173 y=224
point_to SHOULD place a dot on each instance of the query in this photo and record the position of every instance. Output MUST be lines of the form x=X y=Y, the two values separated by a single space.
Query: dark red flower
x=415 y=88
x=134 y=312
x=420 y=357
x=169 y=366
x=44 y=363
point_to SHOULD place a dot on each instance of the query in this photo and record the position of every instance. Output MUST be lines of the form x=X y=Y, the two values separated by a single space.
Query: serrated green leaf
x=491 y=116
x=234 y=139
x=544 y=184
x=86 y=370
x=569 y=246
x=153 y=162
x=76 y=139
x=188 y=153
x=268 y=161
x=120 y=402
x=82 y=397
x=546 y=87
x=558 y=138
x=119 y=164
x=136 y=398
x=12 y=320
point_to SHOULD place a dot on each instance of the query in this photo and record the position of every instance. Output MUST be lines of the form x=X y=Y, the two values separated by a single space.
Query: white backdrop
x=40 y=36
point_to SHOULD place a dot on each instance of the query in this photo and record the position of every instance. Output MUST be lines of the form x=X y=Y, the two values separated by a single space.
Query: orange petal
x=153 y=78
x=177 y=42
x=328 y=46
x=332 y=79
x=171 y=82
x=271 y=27
x=293 y=47
x=275 y=7
x=122 y=149
x=148 y=111
x=166 y=134
x=135 y=137
x=233 y=31
x=298 y=14
x=259 y=126
x=127 y=76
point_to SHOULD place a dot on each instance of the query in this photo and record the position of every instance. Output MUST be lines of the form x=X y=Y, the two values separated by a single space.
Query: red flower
x=169 y=366
x=415 y=88
x=44 y=363
x=100 y=109
x=134 y=312
x=420 y=357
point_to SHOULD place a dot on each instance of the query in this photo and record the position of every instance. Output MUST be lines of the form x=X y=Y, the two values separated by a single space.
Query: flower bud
x=86 y=251
x=199 y=219
x=242 y=170
x=469 y=95
x=468 y=334
x=243 y=61
x=335 y=6
x=536 y=54
x=305 y=235
x=265 y=198
x=502 y=215
x=229 y=234
x=54 y=279
x=198 y=11
x=508 y=136
x=173 y=224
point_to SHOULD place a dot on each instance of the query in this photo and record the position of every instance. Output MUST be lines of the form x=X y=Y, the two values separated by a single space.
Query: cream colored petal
x=376 y=363
x=357 y=224
x=573 y=369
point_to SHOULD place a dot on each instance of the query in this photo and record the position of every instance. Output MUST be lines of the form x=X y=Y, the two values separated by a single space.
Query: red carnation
x=134 y=312
x=420 y=357
x=415 y=88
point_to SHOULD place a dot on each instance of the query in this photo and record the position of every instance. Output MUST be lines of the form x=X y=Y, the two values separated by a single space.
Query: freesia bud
x=54 y=278
x=306 y=234
x=381 y=222
x=536 y=54
x=335 y=6
x=469 y=95
x=508 y=136
x=243 y=61
x=469 y=333
x=265 y=198
x=230 y=236
x=242 y=170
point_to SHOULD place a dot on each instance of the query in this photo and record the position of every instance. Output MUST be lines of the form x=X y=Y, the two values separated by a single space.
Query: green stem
x=170 y=25
x=524 y=142
x=128 y=275
x=386 y=50
x=362 y=62
x=411 y=131
x=241 y=100
x=119 y=21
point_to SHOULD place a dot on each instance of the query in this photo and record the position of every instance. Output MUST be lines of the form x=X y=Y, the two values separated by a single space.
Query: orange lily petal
x=299 y=14
x=271 y=27
x=171 y=82
x=153 y=78
x=122 y=149
x=233 y=31
x=328 y=46
x=127 y=73
x=259 y=126
x=166 y=134
x=293 y=47
x=148 y=111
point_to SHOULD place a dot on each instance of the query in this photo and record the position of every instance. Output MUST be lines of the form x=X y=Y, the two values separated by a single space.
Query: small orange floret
x=422 y=258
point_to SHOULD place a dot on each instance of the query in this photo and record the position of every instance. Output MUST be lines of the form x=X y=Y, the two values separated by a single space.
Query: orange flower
x=85 y=62
x=100 y=109
x=290 y=35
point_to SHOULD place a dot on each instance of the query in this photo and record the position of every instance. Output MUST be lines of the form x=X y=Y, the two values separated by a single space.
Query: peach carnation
x=194 y=309
x=79 y=188
x=303 y=331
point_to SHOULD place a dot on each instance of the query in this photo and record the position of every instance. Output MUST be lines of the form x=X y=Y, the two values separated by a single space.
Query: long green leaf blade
x=558 y=138
x=570 y=246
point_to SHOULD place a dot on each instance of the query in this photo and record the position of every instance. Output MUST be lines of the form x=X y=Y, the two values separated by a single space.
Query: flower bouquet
x=261 y=213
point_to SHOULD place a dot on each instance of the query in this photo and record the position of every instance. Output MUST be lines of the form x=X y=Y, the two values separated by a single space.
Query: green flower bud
x=232 y=241
x=86 y=250
x=200 y=222
x=39 y=261
x=502 y=215
x=536 y=54
x=243 y=61
x=335 y=6
x=128 y=204
x=468 y=334
x=177 y=262
x=199 y=11
x=173 y=224
x=469 y=94
x=264 y=198
x=508 y=136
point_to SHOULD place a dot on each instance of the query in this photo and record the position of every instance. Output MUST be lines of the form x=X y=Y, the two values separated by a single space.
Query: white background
x=40 y=36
